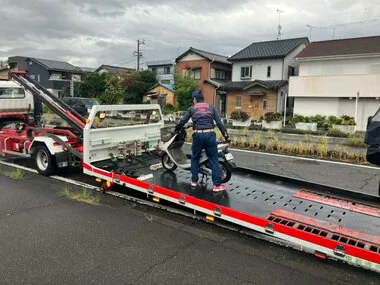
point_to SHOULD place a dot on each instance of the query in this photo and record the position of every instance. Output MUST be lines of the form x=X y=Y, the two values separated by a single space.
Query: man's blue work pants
x=206 y=141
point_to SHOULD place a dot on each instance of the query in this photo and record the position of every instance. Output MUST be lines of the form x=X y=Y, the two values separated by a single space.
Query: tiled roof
x=87 y=69
x=217 y=82
x=56 y=65
x=114 y=69
x=245 y=85
x=270 y=49
x=160 y=62
x=208 y=55
x=344 y=47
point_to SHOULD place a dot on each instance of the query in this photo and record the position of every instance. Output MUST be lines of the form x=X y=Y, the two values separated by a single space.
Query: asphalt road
x=350 y=177
x=48 y=239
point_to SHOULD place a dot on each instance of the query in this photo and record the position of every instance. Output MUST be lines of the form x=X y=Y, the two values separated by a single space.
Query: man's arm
x=184 y=120
x=219 y=122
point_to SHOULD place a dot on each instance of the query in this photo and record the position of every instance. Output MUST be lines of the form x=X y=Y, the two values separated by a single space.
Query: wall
x=160 y=73
x=41 y=72
x=4 y=74
x=335 y=86
x=253 y=105
x=290 y=60
x=259 y=69
x=206 y=89
x=163 y=91
x=340 y=67
x=191 y=57
x=337 y=107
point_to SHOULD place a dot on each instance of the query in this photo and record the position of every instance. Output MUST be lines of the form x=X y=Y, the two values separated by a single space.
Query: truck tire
x=44 y=161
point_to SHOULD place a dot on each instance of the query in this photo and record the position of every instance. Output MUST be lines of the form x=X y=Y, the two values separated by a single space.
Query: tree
x=184 y=86
x=93 y=85
x=114 y=91
x=137 y=85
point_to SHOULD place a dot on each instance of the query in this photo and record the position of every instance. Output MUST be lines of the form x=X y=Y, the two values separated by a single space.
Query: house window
x=220 y=74
x=154 y=69
x=264 y=104
x=165 y=81
x=246 y=72
x=269 y=70
x=291 y=71
x=238 y=102
x=167 y=70
x=196 y=73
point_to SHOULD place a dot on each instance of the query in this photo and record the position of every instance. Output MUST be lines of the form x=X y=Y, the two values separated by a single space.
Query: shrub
x=169 y=109
x=337 y=133
x=270 y=116
x=239 y=116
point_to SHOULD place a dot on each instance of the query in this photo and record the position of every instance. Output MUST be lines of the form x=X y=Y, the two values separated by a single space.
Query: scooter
x=173 y=157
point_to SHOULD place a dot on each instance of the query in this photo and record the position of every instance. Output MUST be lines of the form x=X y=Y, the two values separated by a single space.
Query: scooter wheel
x=226 y=171
x=167 y=163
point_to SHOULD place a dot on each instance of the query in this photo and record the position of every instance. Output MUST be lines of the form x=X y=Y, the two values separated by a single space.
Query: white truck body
x=15 y=99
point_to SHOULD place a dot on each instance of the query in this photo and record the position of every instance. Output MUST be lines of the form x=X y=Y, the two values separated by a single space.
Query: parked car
x=82 y=105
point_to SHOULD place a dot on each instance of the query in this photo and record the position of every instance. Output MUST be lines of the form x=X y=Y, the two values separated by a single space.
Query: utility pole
x=279 y=27
x=138 y=53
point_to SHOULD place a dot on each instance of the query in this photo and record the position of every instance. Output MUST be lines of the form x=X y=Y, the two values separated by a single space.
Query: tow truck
x=118 y=146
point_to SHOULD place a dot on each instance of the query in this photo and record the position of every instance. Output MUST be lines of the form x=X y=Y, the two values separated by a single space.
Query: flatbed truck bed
x=326 y=225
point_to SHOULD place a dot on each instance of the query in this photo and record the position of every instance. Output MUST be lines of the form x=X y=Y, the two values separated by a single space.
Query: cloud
x=93 y=32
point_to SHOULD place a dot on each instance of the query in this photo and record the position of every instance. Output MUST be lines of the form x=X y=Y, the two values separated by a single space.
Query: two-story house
x=164 y=70
x=260 y=75
x=211 y=70
x=338 y=77
x=55 y=76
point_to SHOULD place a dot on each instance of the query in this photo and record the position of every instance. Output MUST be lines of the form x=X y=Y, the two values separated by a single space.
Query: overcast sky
x=93 y=32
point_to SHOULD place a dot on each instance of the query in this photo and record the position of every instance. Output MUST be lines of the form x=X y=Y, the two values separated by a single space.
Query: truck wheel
x=225 y=170
x=44 y=161
x=167 y=163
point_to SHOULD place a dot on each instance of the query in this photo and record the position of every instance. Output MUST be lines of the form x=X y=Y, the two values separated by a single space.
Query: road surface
x=48 y=239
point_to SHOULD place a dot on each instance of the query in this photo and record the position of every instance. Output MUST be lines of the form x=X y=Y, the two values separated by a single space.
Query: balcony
x=165 y=76
x=335 y=86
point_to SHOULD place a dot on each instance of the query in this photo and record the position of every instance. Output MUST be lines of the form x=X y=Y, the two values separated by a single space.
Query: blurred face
x=195 y=101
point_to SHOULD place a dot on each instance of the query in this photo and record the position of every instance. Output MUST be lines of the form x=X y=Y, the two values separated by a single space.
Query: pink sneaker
x=194 y=184
x=219 y=188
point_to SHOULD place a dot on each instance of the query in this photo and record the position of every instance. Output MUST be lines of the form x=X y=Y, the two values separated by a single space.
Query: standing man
x=204 y=137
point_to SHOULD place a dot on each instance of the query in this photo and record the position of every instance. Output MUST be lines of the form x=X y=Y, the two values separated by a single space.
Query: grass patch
x=85 y=196
x=356 y=141
x=308 y=138
x=16 y=174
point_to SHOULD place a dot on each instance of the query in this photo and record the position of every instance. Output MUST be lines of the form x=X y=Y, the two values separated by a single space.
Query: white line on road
x=18 y=166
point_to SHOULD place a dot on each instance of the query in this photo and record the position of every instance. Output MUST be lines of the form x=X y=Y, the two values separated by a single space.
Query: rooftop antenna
x=279 y=27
